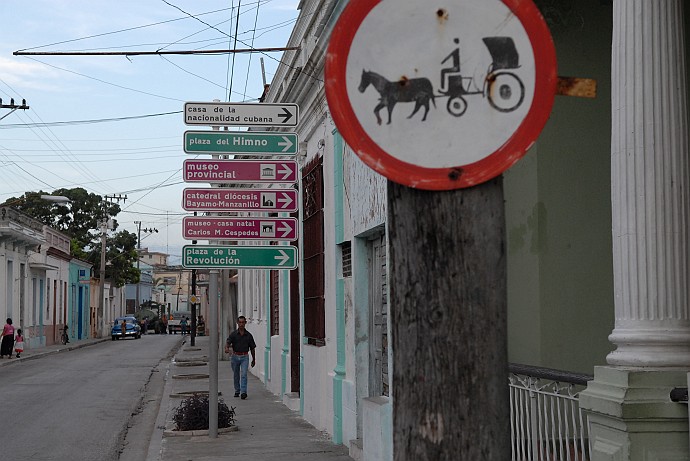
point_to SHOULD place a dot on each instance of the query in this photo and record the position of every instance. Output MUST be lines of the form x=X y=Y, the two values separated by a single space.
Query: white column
x=650 y=185
x=631 y=416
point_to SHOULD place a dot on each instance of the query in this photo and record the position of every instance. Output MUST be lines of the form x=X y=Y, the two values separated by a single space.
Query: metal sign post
x=213 y=354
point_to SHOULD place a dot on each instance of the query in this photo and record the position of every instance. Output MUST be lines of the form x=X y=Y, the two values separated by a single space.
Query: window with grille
x=346 y=258
x=313 y=264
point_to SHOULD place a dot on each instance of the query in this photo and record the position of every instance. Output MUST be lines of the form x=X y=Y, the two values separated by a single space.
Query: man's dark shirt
x=241 y=343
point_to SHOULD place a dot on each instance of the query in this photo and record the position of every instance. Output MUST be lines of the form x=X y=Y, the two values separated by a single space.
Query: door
x=378 y=325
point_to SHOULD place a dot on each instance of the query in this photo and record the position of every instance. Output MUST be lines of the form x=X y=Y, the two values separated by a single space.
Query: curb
x=46 y=353
x=221 y=430
x=191 y=376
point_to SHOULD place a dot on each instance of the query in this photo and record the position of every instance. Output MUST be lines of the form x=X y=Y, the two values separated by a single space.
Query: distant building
x=153 y=258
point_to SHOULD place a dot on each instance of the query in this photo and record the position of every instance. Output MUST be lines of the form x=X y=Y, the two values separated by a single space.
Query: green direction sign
x=240 y=142
x=239 y=257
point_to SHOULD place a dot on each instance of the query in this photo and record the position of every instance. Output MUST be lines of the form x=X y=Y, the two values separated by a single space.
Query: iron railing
x=546 y=422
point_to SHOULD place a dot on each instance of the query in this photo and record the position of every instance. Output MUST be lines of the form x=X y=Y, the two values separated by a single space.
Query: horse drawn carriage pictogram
x=502 y=88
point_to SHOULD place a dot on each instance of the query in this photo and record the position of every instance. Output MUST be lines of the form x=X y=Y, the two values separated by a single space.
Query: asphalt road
x=78 y=405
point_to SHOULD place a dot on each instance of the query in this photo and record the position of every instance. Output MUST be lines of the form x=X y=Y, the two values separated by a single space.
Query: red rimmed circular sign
x=444 y=95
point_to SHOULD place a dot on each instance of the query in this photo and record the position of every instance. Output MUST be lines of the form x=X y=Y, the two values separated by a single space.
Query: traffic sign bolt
x=455 y=174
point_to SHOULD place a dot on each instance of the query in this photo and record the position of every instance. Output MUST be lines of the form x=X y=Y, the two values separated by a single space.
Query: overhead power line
x=152 y=53
x=83 y=122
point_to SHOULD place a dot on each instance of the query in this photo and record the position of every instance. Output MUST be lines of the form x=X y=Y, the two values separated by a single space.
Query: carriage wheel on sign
x=456 y=105
x=505 y=91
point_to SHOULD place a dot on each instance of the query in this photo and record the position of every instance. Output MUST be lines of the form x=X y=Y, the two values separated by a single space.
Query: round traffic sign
x=440 y=97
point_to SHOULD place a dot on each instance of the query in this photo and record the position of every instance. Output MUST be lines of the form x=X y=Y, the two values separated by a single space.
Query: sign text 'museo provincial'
x=239 y=257
x=240 y=114
x=222 y=199
x=240 y=142
x=240 y=171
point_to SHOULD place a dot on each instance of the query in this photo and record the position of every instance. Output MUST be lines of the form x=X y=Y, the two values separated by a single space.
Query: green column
x=285 y=300
x=267 y=351
x=339 y=370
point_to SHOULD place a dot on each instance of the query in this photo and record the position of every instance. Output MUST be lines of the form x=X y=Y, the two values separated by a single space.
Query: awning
x=43 y=267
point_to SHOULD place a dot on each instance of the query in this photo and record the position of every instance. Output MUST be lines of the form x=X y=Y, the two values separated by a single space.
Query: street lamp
x=56 y=198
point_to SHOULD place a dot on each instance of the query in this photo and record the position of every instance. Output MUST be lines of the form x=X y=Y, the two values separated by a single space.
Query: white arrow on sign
x=286 y=142
x=286 y=171
x=283 y=258
x=285 y=201
x=286 y=229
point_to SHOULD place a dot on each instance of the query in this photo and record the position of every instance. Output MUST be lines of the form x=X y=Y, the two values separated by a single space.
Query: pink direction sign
x=239 y=171
x=239 y=228
x=222 y=199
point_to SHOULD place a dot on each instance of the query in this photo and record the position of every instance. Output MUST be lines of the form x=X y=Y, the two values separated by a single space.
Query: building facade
x=23 y=267
x=581 y=298
x=78 y=318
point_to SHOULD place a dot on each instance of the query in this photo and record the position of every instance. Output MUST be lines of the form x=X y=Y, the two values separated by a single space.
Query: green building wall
x=558 y=210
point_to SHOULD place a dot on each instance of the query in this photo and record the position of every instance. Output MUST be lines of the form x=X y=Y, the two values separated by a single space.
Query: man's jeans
x=240 y=365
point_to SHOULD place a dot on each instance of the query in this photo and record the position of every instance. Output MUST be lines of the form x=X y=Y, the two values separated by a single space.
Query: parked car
x=132 y=328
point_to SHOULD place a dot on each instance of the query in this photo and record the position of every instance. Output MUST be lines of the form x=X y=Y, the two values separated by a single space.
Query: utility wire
x=88 y=121
x=105 y=82
x=246 y=82
x=52 y=141
x=123 y=30
x=237 y=27
x=314 y=77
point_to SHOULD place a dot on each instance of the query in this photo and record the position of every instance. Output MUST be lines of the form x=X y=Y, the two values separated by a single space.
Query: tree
x=81 y=221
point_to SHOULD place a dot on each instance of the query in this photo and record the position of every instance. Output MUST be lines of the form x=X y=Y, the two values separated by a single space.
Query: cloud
x=26 y=74
x=282 y=5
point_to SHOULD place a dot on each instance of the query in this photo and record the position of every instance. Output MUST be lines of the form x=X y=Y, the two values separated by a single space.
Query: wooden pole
x=447 y=280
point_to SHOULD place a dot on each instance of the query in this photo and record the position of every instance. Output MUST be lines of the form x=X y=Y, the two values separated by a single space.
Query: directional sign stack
x=230 y=172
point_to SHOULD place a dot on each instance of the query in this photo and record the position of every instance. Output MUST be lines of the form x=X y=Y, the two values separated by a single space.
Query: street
x=78 y=405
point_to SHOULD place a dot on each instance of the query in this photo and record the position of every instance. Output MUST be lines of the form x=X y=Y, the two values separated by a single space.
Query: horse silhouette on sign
x=418 y=90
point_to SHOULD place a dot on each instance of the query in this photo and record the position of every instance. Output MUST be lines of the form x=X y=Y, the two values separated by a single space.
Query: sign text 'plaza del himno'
x=240 y=142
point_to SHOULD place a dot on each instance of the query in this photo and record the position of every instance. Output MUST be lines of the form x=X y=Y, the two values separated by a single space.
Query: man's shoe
x=244 y=396
x=237 y=394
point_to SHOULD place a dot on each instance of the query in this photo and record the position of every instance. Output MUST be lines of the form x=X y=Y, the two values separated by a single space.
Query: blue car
x=132 y=330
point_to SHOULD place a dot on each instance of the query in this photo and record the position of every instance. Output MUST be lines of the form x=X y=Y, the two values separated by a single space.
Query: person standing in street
x=7 y=339
x=19 y=342
x=242 y=343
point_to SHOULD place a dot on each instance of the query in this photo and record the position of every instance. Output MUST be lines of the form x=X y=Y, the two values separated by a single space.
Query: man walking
x=241 y=342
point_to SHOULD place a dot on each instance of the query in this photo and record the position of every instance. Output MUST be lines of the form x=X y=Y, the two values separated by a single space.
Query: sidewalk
x=266 y=429
x=38 y=352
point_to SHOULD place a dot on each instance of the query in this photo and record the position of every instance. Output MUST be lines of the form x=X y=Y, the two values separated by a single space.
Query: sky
x=113 y=124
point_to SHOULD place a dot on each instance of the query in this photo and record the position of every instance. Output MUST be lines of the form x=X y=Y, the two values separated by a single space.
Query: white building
x=576 y=291
x=23 y=284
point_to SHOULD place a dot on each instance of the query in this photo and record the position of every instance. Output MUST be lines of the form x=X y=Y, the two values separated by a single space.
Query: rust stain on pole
x=578 y=87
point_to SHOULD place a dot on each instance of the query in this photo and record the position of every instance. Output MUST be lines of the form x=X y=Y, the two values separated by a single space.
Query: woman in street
x=7 y=339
